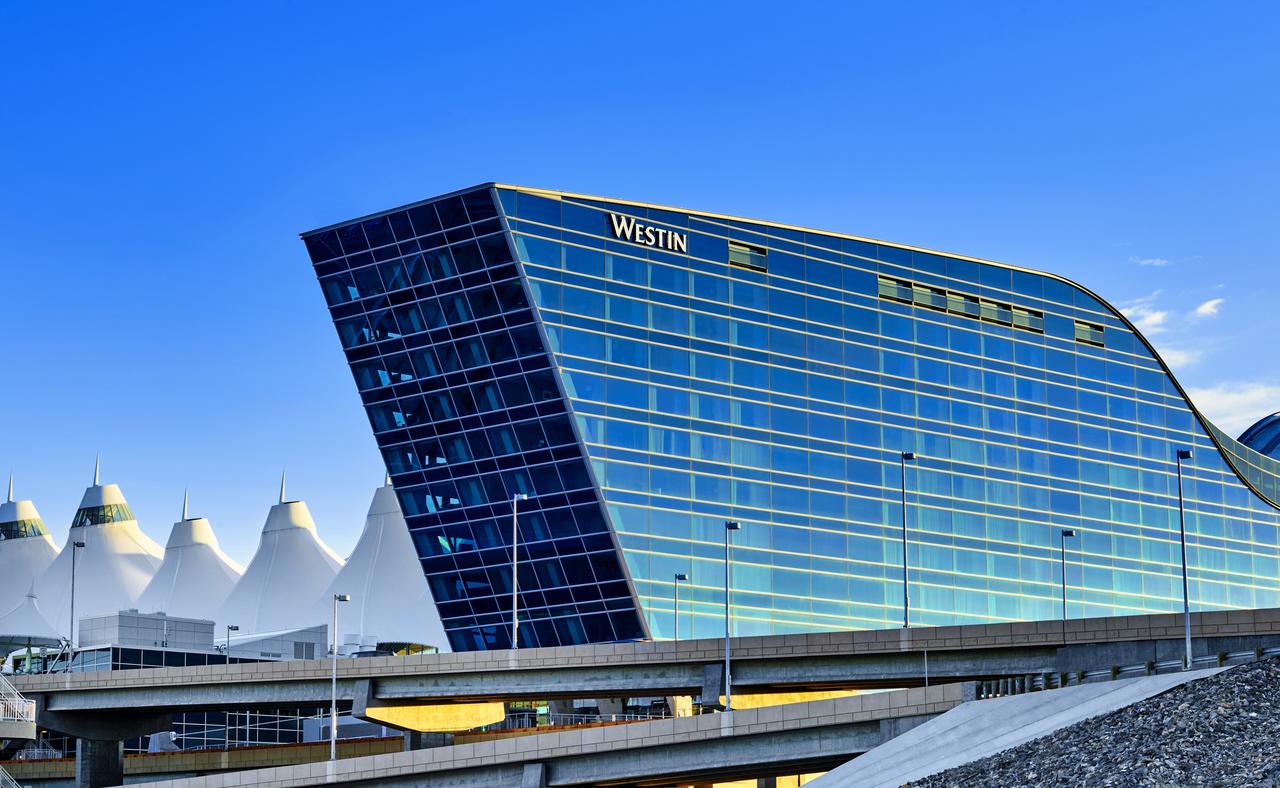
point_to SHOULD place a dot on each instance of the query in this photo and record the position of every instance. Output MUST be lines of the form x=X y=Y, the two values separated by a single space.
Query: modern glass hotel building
x=645 y=374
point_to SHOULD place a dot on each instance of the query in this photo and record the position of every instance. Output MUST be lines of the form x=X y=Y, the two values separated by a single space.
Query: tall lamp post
x=333 y=704
x=1063 y=535
x=71 y=630
x=515 y=578
x=904 y=458
x=1180 y=455
x=230 y=628
x=729 y=527
x=680 y=577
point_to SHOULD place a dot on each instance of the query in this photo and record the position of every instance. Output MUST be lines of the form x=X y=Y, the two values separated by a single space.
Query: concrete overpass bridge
x=452 y=692
x=777 y=740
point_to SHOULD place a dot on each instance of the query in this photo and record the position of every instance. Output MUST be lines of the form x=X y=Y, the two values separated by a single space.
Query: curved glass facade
x=705 y=368
x=22 y=529
x=102 y=515
x=1264 y=436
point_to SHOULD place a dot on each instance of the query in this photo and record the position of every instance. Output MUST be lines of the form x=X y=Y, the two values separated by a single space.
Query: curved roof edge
x=1263 y=436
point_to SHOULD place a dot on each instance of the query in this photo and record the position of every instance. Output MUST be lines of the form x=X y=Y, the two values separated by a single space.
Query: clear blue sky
x=157 y=162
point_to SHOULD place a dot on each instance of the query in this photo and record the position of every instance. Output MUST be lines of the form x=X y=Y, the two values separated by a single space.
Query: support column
x=534 y=776
x=99 y=763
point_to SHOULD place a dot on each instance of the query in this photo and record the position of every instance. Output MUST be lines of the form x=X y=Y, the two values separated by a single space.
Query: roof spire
x=282 y=486
x=10 y=486
x=185 y=491
x=97 y=466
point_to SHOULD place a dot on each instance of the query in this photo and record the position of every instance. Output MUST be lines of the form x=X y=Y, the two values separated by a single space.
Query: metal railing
x=1035 y=682
x=38 y=750
x=38 y=754
x=14 y=707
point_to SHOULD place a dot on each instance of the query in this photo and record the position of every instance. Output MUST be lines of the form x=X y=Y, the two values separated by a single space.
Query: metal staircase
x=14 y=707
x=6 y=781
x=17 y=714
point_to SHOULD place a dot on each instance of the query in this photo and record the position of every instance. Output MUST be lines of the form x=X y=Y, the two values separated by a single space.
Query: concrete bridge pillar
x=534 y=776
x=99 y=763
x=99 y=739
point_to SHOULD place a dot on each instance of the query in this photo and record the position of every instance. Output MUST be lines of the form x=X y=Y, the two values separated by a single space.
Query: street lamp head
x=908 y=455
x=520 y=497
x=77 y=544
x=1184 y=454
x=341 y=597
x=232 y=628
x=732 y=525
x=1068 y=532
x=681 y=576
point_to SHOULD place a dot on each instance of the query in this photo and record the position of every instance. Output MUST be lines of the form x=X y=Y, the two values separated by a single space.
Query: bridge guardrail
x=1035 y=682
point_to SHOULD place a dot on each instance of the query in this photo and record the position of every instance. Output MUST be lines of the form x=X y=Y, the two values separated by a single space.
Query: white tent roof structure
x=390 y=599
x=196 y=576
x=289 y=570
x=112 y=569
x=26 y=549
x=26 y=625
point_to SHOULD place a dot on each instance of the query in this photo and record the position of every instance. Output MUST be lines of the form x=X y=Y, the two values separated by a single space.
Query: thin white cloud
x=1209 y=308
x=1179 y=359
x=1148 y=319
x=1152 y=261
x=1233 y=407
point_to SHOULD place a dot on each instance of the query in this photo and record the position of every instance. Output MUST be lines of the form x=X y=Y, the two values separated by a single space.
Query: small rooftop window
x=748 y=256
x=1089 y=333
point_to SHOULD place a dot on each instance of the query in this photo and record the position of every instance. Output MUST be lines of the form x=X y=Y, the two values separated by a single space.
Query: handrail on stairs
x=14 y=707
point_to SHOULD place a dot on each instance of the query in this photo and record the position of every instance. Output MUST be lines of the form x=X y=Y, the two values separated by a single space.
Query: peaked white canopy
x=26 y=549
x=390 y=599
x=291 y=567
x=196 y=576
x=112 y=569
x=25 y=624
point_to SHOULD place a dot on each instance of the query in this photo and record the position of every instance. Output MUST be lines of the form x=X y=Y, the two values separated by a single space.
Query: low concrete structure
x=784 y=739
x=131 y=628
x=981 y=728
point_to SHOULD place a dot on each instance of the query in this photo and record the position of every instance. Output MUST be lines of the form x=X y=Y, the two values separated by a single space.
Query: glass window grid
x=1144 y=361
x=1187 y=434
x=394 y=300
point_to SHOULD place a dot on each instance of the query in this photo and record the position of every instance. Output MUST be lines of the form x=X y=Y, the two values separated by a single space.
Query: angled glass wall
x=459 y=389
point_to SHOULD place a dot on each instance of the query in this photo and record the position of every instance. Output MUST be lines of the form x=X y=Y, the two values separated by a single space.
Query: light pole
x=71 y=638
x=675 y=606
x=333 y=704
x=1180 y=455
x=230 y=628
x=1063 y=535
x=903 y=458
x=515 y=579
x=729 y=527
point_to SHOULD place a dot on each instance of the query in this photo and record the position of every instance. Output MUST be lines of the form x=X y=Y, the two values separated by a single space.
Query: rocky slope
x=1219 y=731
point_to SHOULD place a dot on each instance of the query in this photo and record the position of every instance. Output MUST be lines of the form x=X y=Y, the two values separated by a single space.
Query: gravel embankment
x=1220 y=731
